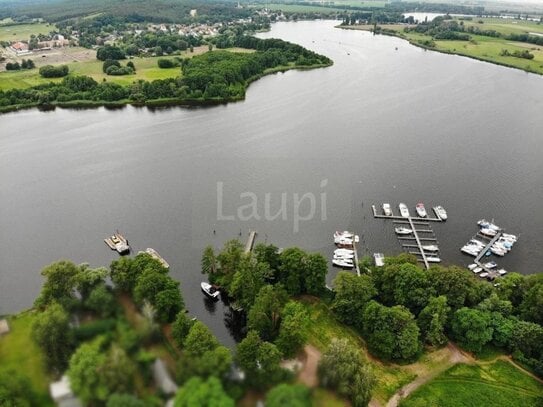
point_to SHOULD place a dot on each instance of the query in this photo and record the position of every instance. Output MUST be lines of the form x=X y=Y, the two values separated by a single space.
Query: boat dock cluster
x=346 y=256
x=489 y=240
x=414 y=232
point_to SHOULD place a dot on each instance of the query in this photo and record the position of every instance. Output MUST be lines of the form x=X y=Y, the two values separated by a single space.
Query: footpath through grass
x=496 y=384
x=19 y=352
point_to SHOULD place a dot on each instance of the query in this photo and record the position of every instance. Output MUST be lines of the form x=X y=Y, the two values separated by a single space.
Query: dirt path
x=456 y=356
x=308 y=374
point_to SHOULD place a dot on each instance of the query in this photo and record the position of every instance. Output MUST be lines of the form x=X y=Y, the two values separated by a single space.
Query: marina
x=410 y=227
x=346 y=256
x=489 y=240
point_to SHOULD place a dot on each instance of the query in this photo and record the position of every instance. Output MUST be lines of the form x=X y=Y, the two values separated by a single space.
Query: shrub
x=50 y=71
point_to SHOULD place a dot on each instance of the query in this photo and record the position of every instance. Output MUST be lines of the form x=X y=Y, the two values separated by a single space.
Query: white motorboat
x=356 y=238
x=476 y=242
x=470 y=251
x=343 y=241
x=209 y=289
x=430 y=248
x=346 y=234
x=510 y=237
x=403 y=231
x=483 y=275
x=433 y=259
x=477 y=270
x=490 y=265
x=343 y=263
x=387 y=210
x=379 y=259
x=343 y=256
x=502 y=272
x=421 y=210
x=484 y=224
x=488 y=232
x=403 y=210
x=440 y=212
x=497 y=251
x=343 y=251
x=472 y=266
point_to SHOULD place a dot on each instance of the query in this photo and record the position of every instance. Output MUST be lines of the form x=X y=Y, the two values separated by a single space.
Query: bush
x=92 y=329
x=166 y=63
x=116 y=71
x=110 y=62
x=13 y=66
x=109 y=52
x=50 y=71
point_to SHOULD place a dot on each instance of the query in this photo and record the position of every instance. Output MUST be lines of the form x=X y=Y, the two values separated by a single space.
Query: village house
x=20 y=48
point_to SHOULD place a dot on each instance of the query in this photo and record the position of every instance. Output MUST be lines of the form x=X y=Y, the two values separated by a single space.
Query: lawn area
x=480 y=47
x=497 y=384
x=326 y=398
x=506 y=26
x=18 y=352
x=21 y=32
x=324 y=327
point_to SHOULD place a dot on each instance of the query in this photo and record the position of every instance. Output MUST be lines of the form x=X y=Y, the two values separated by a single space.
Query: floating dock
x=118 y=242
x=250 y=241
x=416 y=218
x=356 y=258
x=415 y=233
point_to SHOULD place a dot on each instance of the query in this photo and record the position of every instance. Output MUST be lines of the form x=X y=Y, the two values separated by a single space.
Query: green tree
x=531 y=308
x=87 y=279
x=16 y=390
x=216 y=362
x=109 y=63
x=209 y=262
x=228 y=259
x=342 y=369
x=352 y=295
x=124 y=273
x=150 y=284
x=109 y=52
x=84 y=372
x=432 y=320
x=292 y=395
x=472 y=328
x=457 y=284
x=52 y=332
x=181 y=327
x=124 y=400
x=199 y=340
x=259 y=360
x=511 y=288
x=101 y=301
x=61 y=279
x=391 y=331
x=168 y=303
x=265 y=315
x=293 y=330
x=197 y=392
x=248 y=281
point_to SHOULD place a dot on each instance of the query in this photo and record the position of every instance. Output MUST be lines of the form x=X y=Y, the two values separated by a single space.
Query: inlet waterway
x=388 y=122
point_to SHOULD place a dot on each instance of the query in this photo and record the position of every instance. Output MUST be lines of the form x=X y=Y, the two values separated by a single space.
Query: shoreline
x=392 y=33
x=151 y=103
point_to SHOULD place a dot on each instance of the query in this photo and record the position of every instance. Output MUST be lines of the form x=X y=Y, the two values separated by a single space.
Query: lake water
x=388 y=122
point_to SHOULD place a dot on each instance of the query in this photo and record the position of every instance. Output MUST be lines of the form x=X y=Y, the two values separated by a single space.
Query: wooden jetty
x=379 y=216
x=356 y=258
x=250 y=241
x=422 y=254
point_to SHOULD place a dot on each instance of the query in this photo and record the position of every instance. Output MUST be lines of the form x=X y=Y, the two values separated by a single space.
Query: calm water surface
x=388 y=122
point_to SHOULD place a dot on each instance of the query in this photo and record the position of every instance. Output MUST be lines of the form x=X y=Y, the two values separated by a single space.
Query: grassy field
x=146 y=69
x=497 y=384
x=18 y=352
x=324 y=327
x=23 y=31
x=506 y=26
x=484 y=48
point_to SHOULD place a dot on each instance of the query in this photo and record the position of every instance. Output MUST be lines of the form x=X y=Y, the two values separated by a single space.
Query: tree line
x=213 y=76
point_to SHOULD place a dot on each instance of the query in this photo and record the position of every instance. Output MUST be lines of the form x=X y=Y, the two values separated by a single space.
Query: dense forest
x=131 y=10
x=213 y=77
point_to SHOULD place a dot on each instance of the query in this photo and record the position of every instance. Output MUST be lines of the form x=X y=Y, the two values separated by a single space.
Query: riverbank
x=479 y=47
x=160 y=102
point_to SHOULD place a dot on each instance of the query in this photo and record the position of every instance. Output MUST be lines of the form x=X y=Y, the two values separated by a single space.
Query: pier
x=416 y=218
x=250 y=241
x=356 y=258
x=415 y=233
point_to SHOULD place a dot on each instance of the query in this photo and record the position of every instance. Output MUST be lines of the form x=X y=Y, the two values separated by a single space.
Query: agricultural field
x=20 y=32
x=497 y=384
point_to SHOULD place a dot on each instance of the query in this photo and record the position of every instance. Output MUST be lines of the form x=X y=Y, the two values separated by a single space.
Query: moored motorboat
x=403 y=231
x=379 y=259
x=209 y=289
x=343 y=251
x=342 y=263
x=502 y=272
x=472 y=266
x=345 y=234
x=421 y=210
x=433 y=259
x=477 y=270
x=118 y=242
x=490 y=265
x=489 y=232
x=403 y=210
x=483 y=275
x=430 y=248
x=343 y=256
x=440 y=212
x=387 y=209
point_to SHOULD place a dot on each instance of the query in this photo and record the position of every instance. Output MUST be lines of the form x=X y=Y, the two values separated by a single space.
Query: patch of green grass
x=497 y=384
x=326 y=398
x=20 y=32
x=19 y=352
x=324 y=327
